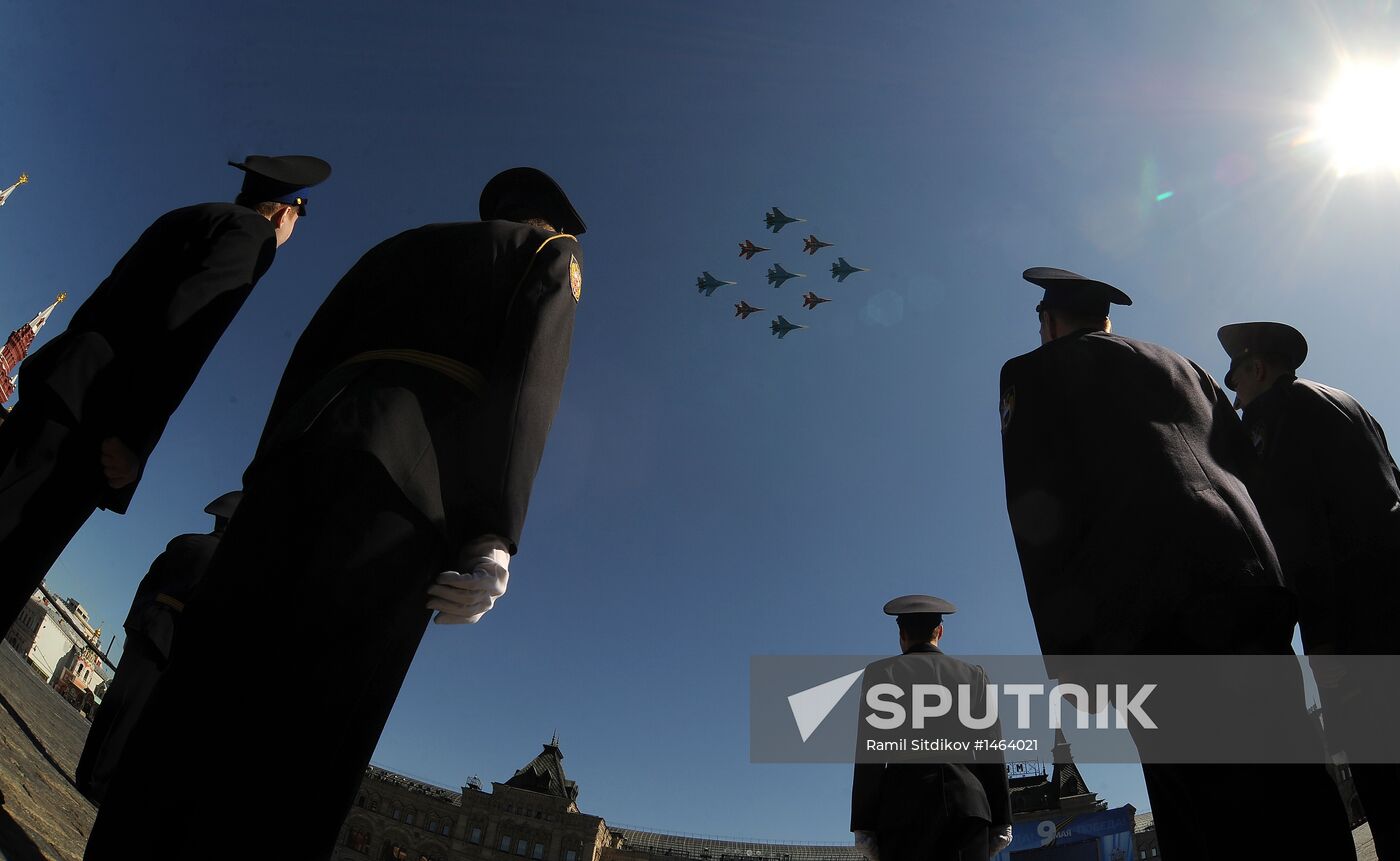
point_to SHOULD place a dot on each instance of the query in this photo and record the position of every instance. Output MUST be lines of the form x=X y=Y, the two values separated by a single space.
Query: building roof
x=545 y=774
x=713 y=849
x=1070 y=786
x=1032 y=796
x=435 y=792
x=1143 y=822
x=1069 y=781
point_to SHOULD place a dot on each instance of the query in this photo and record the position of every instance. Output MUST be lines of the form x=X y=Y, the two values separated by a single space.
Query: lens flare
x=1360 y=119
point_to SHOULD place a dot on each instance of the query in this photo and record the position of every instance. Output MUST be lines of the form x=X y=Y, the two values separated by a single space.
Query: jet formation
x=775 y=219
x=778 y=276
x=747 y=249
x=781 y=327
x=841 y=269
x=708 y=283
x=742 y=310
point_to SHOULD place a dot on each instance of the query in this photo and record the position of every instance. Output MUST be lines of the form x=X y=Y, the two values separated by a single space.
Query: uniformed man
x=1329 y=492
x=95 y=400
x=393 y=473
x=1136 y=535
x=930 y=810
x=150 y=633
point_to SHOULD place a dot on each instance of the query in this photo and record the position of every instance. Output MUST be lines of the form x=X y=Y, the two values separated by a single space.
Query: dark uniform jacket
x=1123 y=484
x=442 y=353
x=910 y=804
x=164 y=590
x=1329 y=492
x=133 y=349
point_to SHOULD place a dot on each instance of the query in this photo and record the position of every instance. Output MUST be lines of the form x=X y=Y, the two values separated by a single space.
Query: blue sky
x=709 y=492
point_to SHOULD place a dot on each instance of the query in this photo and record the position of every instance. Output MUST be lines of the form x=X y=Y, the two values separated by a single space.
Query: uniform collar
x=924 y=648
x=1074 y=337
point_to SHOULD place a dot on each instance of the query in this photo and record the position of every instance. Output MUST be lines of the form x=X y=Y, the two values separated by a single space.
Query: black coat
x=1123 y=484
x=910 y=805
x=442 y=353
x=133 y=349
x=1329 y=492
x=150 y=629
x=164 y=590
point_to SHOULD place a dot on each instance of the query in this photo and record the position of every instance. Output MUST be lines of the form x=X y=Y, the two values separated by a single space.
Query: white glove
x=1001 y=838
x=465 y=598
x=867 y=845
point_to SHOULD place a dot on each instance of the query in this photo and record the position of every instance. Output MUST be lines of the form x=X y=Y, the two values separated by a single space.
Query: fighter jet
x=708 y=283
x=744 y=309
x=812 y=244
x=777 y=220
x=747 y=249
x=5 y=195
x=840 y=269
x=812 y=300
x=781 y=326
x=778 y=275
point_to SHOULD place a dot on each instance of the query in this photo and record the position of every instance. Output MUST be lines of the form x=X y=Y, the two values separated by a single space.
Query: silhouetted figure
x=921 y=809
x=94 y=401
x=151 y=628
x=1329 y=492
x=403 y=440
x=1124 y=465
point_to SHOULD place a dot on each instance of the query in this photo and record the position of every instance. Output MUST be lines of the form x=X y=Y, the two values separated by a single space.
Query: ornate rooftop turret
x=545 y=774
x=1069 y=783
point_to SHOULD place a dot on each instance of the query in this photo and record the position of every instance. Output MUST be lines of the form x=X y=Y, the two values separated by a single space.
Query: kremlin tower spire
x=17 y=347
x=5 y=194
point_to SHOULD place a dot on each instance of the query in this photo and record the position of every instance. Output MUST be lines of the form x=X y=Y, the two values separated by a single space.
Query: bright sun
x=1360 y=119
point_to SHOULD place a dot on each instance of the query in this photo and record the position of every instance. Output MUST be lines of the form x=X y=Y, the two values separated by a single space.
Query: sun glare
x=1360 y=119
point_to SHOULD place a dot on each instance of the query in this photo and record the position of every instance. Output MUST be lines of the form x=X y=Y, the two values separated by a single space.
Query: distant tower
x=1070 y=787
x=545 y=774
x=5 y=195
x=17 y=347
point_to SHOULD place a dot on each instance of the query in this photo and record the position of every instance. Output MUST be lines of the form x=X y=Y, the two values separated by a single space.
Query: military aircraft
x=812 y=244
x=747 y=249
x=5 y=195
x=777 y=220
x=778 y=275
x=744 y=309
x=840 y=269
x=781 y=326
x=812 y=300
x=708 y=283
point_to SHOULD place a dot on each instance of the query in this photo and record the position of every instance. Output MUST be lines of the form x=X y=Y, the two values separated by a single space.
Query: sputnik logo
x=810 y=707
